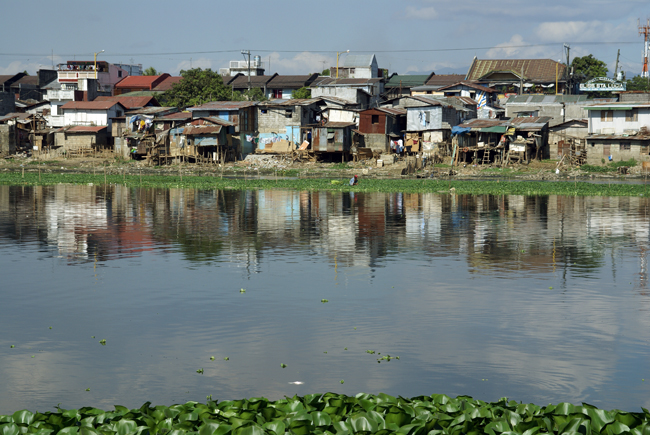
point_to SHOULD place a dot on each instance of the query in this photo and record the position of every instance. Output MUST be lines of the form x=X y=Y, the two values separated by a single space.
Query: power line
x=431 y=50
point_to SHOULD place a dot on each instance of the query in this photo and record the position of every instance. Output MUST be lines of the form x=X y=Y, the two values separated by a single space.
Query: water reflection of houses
x=507 y=235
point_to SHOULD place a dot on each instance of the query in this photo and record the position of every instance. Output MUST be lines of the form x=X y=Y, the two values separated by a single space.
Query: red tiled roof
x=130 y=102
x=142 y=82
x=90 y=105
x=167 y=83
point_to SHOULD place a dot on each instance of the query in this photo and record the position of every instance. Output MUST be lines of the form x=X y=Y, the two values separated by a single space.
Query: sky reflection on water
x=540 y=299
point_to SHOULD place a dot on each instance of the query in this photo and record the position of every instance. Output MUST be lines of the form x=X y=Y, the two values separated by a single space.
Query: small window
x=119 y=73
x=288 y=113
x=375 y=119
x=625 y=146
x=631 y=115
x=119 y=113
x=264 y=110
x=606 y=115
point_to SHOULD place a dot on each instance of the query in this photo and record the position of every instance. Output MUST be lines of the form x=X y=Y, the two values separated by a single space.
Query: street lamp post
x=337 y=61
x=96 y=63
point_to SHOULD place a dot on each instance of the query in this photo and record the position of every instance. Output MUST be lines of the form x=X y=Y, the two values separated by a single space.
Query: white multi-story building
x=241 y=66
x=106 y=74
x=618 y=131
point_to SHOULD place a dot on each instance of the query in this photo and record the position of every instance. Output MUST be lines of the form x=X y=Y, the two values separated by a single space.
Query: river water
x=538 y=299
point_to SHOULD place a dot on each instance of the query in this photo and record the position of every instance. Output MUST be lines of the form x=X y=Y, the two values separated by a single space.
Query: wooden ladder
x=486 y=156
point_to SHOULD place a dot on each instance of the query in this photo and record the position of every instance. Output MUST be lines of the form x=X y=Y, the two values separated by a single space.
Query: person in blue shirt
x=354 y=181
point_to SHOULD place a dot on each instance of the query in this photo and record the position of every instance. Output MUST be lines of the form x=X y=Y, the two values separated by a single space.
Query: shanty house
x=618 y=131
x=81 y=138
x=380 y=124
x=569 y=139
x=436 y=81
x=206 y=140
x=242 y=113
x=281 y=120
x=138 y=135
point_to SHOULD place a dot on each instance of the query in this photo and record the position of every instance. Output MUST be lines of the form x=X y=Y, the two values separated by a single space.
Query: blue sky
x=299 y=37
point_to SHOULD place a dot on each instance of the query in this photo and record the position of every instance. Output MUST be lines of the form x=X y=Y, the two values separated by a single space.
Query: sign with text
x=603 y=84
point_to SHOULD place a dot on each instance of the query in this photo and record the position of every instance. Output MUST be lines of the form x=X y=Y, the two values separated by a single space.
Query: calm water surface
x=539 y=299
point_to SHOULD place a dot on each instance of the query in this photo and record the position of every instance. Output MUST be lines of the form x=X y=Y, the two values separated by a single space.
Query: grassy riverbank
x=333 y=413
x=476 y=187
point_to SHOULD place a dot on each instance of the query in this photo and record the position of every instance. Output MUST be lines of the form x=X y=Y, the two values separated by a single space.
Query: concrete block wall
x=7 y=103
x=7 y=140
x=275 y=119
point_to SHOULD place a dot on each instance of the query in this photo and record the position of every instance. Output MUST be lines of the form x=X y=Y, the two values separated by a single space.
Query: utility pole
x=248 y=53
x=569 y=77
x=644 y=30
x=616 y=68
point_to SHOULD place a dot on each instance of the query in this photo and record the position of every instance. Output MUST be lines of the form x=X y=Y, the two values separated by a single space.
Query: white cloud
x=426 y=13
x=301 y=63
x=19 y=66
x=562 y=31
x=517 y=47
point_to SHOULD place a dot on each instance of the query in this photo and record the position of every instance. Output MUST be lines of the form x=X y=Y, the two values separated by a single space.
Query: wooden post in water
x=180 y=174
x=23 y=172
x=39 y=173
x=104 y=174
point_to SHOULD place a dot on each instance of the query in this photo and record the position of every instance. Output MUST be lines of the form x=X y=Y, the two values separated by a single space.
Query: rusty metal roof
x=143 y=82
x=178 y=116
x=333 y=124
x=219 y=121
x=224 y=105
x=202 y=129
x=152 y=110
x=339 y=101
x=529 y=123
x=540 y=70
x=90 y=105
x=395 y=111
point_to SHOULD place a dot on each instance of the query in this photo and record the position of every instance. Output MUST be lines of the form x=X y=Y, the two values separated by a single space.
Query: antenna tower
x=645 y=31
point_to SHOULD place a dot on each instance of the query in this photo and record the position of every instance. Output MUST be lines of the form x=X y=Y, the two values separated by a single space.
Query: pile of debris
x=268 y=161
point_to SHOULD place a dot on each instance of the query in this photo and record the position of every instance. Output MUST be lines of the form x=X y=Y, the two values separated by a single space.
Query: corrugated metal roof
x=90 y=105
x=338 y=124
x=624 y=105
x=541 y=70
x=241 y=81
x=224 y=105
x=178 y=116
x=358 y=60
x=202 y=129
x=337 y=100
x=617 y=137
x=86 y=129
x=427 y=99
x=10 y=116
x=406 y=81
x=291 y=102
x=219 y=121
x=531 y=123
x=152 y=110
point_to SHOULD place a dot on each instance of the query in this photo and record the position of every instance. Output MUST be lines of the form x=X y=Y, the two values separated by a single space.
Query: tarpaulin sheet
x=456 y=129
x=495 y=129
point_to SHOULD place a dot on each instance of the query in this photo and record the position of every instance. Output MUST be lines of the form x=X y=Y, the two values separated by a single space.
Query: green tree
x=303 y=92
x=588 y=67
x=255 y=94
x=25 y=72
x=151 y=71
x=638 y=83
x=326 y=72
x=197 y=87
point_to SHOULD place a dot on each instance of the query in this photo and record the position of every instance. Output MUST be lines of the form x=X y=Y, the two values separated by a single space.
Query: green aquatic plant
x=460 y=187
x=283 y=365
x=102 y=342
x=211 y=358
x=200 y=371
x=332 y=413
x=324 y=300
x=226 y=359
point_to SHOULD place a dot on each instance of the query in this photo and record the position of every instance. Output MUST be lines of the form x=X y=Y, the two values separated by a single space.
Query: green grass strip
x=492 y=187
x=332 y=413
